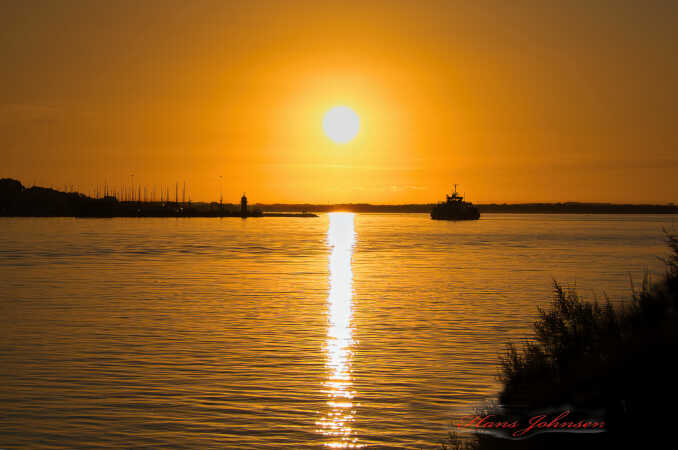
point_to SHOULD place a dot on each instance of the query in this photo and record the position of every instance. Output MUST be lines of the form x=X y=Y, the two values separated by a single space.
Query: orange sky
x=514 y=101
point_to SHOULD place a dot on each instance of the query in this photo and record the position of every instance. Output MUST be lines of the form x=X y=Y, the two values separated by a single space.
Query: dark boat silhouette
x=455 y=208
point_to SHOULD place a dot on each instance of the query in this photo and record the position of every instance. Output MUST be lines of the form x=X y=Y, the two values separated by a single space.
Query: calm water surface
x=343 y=331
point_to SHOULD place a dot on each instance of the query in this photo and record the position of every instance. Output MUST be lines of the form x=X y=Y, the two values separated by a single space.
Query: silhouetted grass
x=596 y=356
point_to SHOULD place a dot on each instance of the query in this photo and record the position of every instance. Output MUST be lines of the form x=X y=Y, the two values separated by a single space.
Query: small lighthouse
x=243 y=206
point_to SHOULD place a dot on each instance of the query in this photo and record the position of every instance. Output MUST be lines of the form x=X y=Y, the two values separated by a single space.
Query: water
x=366 y=331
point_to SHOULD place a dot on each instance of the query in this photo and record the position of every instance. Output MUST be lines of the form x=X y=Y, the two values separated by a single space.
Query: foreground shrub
x=593 y=356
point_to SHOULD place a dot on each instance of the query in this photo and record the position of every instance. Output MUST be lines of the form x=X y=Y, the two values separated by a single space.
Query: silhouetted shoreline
x=522 y=208
x=19 y=201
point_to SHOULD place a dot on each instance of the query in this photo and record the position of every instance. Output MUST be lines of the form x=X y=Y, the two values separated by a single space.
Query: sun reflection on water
x=335 y=423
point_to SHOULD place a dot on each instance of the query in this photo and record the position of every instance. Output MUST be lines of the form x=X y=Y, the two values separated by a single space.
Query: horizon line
x=359 y=203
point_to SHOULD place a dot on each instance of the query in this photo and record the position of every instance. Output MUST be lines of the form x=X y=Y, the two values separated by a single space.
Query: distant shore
x=301 y=214
x=19 y=201
x=522 y=208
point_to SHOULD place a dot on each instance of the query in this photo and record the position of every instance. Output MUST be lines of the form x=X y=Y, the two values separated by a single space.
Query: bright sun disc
x=341 y=124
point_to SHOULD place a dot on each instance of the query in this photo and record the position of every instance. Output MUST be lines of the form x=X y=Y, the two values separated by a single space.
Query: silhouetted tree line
x=578 y=208
x=543 y=208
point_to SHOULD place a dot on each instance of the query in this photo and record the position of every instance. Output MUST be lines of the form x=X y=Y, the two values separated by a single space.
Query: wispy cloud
x=402 y=188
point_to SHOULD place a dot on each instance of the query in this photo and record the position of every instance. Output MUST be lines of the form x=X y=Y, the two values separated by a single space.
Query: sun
x=341 y=124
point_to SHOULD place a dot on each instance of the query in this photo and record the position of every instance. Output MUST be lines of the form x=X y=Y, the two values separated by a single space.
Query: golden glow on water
x=274 y=334
x=335 y=422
